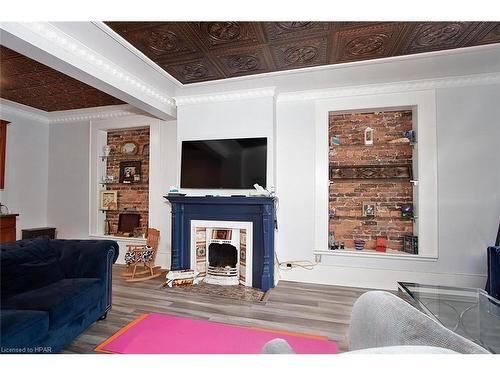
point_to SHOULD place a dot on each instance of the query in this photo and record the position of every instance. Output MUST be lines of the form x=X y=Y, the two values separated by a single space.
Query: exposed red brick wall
x=347 y=196
x=133 y=197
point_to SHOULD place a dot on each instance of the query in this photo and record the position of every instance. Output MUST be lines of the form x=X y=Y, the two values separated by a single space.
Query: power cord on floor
x=305 y=264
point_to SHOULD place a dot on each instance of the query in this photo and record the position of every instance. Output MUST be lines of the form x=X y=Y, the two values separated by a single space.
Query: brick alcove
x=385 y=192
x=132 y=197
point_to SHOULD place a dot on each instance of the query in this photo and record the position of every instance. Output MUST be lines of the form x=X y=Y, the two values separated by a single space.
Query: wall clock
x=129 y=148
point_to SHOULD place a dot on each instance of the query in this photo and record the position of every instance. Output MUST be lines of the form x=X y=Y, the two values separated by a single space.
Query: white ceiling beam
x=101 y=63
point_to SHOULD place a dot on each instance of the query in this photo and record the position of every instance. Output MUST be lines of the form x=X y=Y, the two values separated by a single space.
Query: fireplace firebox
x=222 y=255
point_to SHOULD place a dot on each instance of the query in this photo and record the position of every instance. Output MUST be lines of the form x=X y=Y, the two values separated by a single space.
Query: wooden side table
x=8 y=227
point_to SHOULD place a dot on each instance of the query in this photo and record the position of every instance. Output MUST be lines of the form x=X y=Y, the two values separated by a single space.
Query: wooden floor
x=296 y=307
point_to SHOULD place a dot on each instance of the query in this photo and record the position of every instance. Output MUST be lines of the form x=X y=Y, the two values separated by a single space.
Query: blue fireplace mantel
x=257 y=210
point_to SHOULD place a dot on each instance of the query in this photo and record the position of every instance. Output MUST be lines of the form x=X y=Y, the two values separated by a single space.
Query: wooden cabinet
x=8 y=227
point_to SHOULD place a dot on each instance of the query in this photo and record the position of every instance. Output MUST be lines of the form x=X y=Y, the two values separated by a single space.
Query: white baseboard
x=377 y=279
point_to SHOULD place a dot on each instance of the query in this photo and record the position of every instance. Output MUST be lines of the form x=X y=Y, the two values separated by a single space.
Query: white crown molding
x=226 y=96
x=403 y=86
x=9 y=108
x=96 y=113
x=53 y=35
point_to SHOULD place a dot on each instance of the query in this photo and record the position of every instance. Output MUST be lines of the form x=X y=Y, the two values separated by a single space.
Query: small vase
x=359 y=244
x=107 y=150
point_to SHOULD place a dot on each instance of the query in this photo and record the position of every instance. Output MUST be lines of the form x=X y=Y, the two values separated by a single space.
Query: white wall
x=26 y=170
x=468 y=196
x=68 y=182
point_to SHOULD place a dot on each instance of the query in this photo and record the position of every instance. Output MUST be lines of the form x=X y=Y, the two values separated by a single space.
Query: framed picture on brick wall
x=368 y=209
x=130 y=172
x=108 y=200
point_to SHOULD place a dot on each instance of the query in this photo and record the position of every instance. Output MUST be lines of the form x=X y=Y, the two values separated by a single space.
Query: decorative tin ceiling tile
x=300 y=54
x=226 y=34
x=490 y=33
x=367 y=42
x=194 y=71
x=243 y=61
x=431 y=36
x=277 y=31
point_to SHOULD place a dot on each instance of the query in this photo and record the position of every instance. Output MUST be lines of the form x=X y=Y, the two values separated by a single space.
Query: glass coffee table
x=469 y=312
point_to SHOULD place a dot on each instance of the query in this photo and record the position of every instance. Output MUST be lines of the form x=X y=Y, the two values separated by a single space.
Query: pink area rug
x=167 y=334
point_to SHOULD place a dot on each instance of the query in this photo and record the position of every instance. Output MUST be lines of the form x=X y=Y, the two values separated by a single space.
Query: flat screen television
x=224 y=163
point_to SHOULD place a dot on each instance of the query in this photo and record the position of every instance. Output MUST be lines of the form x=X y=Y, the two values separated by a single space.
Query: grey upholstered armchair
x=384 y=323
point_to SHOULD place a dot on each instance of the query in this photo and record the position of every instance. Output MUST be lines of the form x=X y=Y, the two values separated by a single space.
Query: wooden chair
x=144 y=255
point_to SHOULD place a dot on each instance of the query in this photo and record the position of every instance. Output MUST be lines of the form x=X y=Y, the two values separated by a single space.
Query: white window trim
x=424 y=123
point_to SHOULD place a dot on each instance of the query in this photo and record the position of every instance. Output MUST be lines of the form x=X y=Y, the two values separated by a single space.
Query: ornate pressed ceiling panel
x=26 y=81
x=205 y=51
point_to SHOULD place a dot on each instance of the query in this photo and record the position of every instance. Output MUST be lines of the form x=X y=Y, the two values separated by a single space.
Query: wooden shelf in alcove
x=127 y=184
x=368 y=180
x=125 y=211
x=124 y=157
x=373 y=218
x=379 y=145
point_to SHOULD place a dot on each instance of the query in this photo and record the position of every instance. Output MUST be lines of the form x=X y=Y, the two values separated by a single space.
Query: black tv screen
x=224 y=163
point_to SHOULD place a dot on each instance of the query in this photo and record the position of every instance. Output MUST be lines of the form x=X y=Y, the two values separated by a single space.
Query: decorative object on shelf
x=400 y=171
x=368 y=136
x=109 y=179
x=368 y=209
x=138 y=233
x=4 y=210
x=402 y=140
x=107 y=150
x=129 y=148
x=107 y=227
x=108 y=199
x=381 y=244
x=335 y=141
x=359 y=244
x=130 y=171
x=410 y=244
x=407 y=211
x=410 y=135
x=342 y=246
x=331 y=213
x=145 y=149
x=331 y=240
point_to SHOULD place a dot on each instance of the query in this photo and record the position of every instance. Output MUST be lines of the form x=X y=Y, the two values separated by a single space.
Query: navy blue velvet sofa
x=51 y=291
